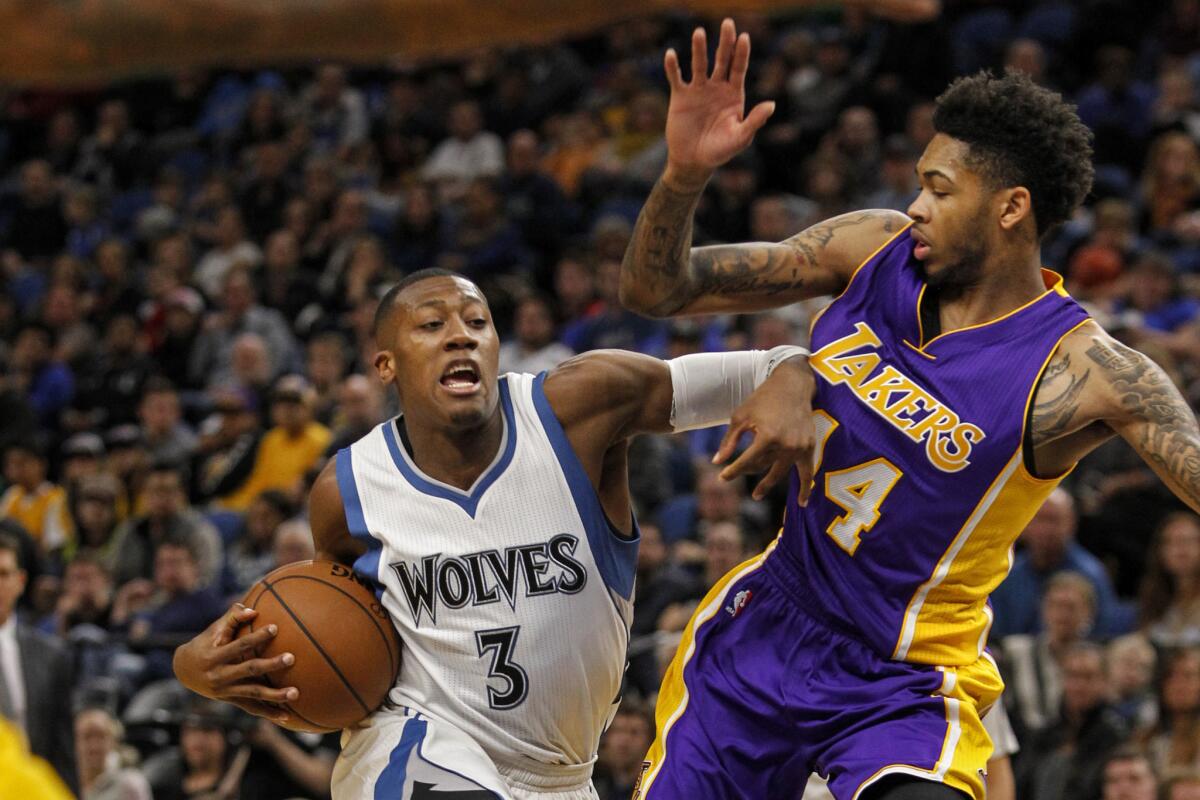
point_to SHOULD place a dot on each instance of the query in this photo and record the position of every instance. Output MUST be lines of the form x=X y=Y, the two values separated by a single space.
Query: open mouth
x=461 y=378
x=921 y=251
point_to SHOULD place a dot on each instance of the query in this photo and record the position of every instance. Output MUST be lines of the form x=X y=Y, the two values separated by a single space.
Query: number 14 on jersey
x=859 y=491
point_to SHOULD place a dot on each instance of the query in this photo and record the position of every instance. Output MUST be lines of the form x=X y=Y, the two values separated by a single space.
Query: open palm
x=706 y=125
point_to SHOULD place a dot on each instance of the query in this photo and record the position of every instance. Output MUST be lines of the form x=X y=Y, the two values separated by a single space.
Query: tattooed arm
x=663 y=275
x=1096 y=387
x=707 y=125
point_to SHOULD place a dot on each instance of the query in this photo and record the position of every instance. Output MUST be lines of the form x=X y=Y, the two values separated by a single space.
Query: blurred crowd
x=188 y=272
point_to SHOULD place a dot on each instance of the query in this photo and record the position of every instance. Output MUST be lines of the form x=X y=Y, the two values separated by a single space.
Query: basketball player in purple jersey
x=957 y=384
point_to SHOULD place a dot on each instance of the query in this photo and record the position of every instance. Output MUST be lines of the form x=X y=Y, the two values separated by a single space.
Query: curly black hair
x=1021 y=134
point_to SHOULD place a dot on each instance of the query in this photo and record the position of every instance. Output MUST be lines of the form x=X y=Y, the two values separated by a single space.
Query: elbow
x=633 y=299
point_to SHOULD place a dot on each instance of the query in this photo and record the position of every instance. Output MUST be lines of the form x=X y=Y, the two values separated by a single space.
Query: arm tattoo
x=1054 y=416
x=1171 y=440
x=660 y=264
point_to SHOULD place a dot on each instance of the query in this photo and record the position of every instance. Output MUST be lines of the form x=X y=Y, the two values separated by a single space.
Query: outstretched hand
x=706 y=124
x=221 y=666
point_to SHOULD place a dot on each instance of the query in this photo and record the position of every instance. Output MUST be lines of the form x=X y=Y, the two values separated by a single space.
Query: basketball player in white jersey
x=495 y=515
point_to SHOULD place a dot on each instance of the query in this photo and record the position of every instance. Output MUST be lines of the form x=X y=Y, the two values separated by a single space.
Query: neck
x=89 y=773
x=1003 y=286
x=456 y=457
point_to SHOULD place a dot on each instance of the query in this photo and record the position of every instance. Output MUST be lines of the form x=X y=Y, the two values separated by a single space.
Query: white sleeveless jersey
x=513 y=599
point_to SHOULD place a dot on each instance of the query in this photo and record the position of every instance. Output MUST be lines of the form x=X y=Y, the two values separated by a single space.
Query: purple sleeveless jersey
x=921 y=487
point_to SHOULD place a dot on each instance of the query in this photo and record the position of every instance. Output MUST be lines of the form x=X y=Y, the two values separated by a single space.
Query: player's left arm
x=605 y=397
x=1096 y=386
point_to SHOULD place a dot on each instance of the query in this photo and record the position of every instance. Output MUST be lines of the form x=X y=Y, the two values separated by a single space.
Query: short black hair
x=389 y=299
x=1021 y=134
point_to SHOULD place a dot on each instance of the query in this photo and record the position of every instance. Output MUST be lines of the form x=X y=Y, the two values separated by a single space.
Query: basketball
x=347 y=650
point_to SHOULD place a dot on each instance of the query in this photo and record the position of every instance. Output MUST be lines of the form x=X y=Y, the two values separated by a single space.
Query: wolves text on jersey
x=485 y=577
x=891 y=394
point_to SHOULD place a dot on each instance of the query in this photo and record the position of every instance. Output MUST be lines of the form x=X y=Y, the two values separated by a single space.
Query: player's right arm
x=218 y=664
x=663 y=275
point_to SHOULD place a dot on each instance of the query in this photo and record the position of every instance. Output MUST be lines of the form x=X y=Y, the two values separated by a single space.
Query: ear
x=1016 y=206
x=385 y=366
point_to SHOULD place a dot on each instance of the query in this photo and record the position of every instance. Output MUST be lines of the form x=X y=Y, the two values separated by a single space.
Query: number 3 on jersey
x=501 y=642
x=859 y=491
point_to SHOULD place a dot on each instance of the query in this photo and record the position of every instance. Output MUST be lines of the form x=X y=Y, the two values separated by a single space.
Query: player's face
x=950 y=216
x=443 y=355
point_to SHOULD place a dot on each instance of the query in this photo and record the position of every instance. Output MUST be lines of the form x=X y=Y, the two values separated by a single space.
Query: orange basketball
x=347 y=650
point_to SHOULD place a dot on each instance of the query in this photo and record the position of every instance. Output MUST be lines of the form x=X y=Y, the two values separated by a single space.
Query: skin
x=435 y=325
x=981 y=249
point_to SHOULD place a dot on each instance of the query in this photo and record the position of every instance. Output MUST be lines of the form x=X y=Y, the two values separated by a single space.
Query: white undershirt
x=10 y=662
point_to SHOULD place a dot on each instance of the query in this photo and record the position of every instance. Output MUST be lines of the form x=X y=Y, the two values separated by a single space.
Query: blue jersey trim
x=390 y=783
x=467 y=501
x=366 y=565
x=615 y=556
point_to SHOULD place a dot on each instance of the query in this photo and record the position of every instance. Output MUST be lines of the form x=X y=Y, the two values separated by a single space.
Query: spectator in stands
x=96 y=513
x=35 y=673
x=533 y=201
x=1131 y=661
x=80 y=456
x=293 y=542
x=231 y=248
x=334 y=112
x=1050 y=547
x=37 y=504
x=182 y=319
x=619 y=763
x=1034 y=663
x=283 y=765
x=238 y=312
x=358 y=411
x=1128 y=775
x=86 y=597
x=228 y=444
x=288 y=450
x=481 y=241
x=326 y=366
x=1183 y=785
x=206 y=766
x=469 y=153
x=1066 y=760
x=102 y=776
x=113 y=157
x=285 y=283
x=1170 y=598
x=1175 y=742
x=108 y=389
x=167 y=437
x=1170 y=183
x=162 y=615
x=533 y=347
x=46 y=384
x=897 y=175
x=166 y=516
x=251 y=555
x=37 y=229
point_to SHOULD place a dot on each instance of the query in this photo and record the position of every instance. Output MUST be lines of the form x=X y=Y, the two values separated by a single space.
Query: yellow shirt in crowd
x=42 y=512
x=281 y=462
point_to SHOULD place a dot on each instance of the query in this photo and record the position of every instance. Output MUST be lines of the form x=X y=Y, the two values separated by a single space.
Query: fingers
x=226 y=627
x=741 y=61
x=260 y=692
x=778 y=470
x=729 y=441
x=246 y=646
x=725 y=47
x=804 y=468
x=748 y=461
x=699 y=57
x=269 y=712
x=757 y=117
x=671 y=67
x=227 y=674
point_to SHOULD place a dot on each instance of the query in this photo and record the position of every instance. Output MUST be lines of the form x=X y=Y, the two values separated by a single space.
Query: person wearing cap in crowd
x=165 y=514
x=37 y=504
x=128 y=459
x=96 y=510
x=81 y=455
x=228 y=444
x=288 y=450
